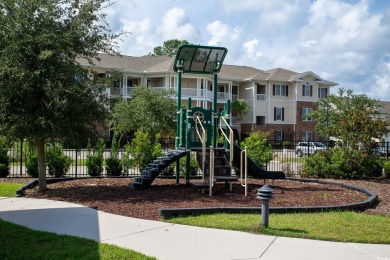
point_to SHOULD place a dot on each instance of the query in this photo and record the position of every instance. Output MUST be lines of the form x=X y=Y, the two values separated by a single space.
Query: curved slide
x=254 y=170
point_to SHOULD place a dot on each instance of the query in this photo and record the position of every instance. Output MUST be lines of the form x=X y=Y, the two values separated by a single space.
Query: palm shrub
x=258 y=149
x=95 y=158
x=57 y=163
x=4 y=160
x=113 y=163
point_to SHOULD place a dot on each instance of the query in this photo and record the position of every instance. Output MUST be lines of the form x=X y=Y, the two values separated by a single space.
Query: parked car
x=382 y=151
x=308 y=148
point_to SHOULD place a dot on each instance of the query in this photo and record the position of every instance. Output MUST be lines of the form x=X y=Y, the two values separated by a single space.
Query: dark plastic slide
x=254 y=170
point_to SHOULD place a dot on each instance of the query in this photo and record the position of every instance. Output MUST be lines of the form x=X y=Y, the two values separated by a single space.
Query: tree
x=353 y=119
x=240 y=107
x=40 y=96
x=169 y=48
x=148 y=110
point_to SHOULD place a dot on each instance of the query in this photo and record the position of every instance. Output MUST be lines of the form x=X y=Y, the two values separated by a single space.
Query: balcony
x=261 y=97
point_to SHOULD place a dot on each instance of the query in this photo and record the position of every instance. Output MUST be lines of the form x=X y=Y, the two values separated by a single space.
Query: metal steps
x=155 y=168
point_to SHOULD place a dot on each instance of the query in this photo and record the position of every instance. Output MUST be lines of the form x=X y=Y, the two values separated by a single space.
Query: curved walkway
x=173 y=241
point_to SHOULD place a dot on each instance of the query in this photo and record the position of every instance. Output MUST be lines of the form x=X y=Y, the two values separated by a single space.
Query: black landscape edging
x=34 y=183
x=358 y=206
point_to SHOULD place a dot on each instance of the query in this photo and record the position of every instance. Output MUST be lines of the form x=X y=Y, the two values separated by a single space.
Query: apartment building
x=278 y=98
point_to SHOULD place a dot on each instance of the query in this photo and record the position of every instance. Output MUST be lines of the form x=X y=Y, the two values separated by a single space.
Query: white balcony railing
x=261 y=97
x=185 y=93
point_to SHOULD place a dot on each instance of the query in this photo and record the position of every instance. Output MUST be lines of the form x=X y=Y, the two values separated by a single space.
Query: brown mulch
x=112 y=195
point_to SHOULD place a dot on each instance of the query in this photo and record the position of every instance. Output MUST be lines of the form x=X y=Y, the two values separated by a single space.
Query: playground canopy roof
x=199 y=59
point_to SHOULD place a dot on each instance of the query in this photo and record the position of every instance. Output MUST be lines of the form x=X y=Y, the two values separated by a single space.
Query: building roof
x=164 y=64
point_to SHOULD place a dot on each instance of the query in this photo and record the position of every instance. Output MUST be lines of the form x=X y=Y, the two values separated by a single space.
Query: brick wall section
x=288 y=129
x=305 y=125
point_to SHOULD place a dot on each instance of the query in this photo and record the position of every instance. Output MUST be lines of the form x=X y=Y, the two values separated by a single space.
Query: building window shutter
x=274 y=113
x=326 y=93
x=311 y=90
x=273 y=89
x=303 y=90
x=282 y=113
x=286 y=90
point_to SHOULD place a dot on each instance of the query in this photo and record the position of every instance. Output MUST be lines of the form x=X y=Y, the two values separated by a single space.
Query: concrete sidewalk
x=172 y=241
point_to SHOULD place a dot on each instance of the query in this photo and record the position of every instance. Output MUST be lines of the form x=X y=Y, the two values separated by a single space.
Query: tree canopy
x=353 y=119
x=169 y=48
x=148 y=110
x=44 y=92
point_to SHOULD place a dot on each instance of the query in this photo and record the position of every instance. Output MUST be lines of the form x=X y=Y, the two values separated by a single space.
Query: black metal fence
x=18 y=154
x=289 y=157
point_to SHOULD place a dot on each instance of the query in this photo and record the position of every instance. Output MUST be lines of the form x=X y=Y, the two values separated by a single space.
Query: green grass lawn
x=333 y=226
x=18 y=242
x=9 y=189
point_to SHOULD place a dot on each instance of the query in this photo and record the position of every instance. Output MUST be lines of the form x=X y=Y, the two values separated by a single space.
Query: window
x=278 y=135
x=305 y=112
x=280 y=90
x=307 y=90
x=260 y=120
x=278 y=113
x=322 y=92
x=306 y=136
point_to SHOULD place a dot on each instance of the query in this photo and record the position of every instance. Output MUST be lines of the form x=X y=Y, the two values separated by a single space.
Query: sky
x=343 y=41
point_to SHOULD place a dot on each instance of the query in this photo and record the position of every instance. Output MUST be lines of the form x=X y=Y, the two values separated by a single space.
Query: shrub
x=113 y=163
x=4 y=160
x=258 y=149
x=95 y=158
x=386 y=169
x=32 y=163
x=113 y=166
x=57 y=163
x=141 y=151
x=342 y=163
x=193 y=165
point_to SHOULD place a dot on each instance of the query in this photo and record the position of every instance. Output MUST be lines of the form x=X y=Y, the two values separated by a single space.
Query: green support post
x=228 y=121
x=178 y=122
x=188 y=141
x=215 y=120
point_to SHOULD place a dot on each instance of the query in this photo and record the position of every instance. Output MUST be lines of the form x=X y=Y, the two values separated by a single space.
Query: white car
x=309 y=148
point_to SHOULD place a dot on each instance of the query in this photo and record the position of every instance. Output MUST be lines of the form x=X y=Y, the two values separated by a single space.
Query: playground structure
x=197 y=129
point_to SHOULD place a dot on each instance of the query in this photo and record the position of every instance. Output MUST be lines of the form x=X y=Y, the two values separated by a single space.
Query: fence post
x=76 y=163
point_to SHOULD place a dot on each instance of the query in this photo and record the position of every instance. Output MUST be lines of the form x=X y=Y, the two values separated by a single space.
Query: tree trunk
x=40 y=143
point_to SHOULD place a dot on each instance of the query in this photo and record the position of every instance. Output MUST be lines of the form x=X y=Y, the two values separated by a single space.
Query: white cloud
x=252 y=49
x=223 y=34
x=175 y=25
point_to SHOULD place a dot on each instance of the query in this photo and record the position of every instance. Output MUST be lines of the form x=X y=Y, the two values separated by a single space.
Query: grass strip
x=18 y=242
x=332 y=226
x=9 y=189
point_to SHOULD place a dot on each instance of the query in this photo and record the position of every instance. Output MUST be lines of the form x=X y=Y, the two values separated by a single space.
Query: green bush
x=342 y=163
x=95 y=158
x=57 y=163
x=386 y=169
x=113 y=166
x=257 y=149
x=193 y=165
x=4 y=159
x=32 y=164
x=141 y=151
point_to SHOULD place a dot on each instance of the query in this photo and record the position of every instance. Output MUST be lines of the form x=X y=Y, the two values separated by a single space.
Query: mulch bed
x=112 y=195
